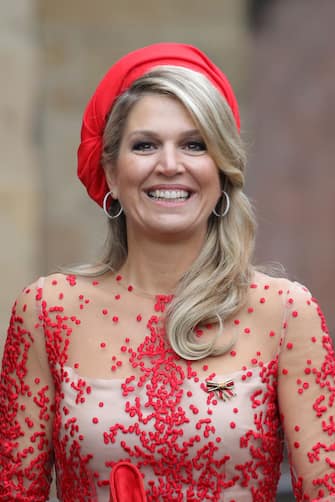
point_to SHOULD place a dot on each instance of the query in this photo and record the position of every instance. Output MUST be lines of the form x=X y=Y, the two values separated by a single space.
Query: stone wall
x=20 y=183
x=291 y=96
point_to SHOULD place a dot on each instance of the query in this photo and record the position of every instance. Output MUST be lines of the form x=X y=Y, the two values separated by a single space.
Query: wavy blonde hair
x=215 y=287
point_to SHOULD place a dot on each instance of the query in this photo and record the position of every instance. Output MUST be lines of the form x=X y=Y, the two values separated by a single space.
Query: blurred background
x=279 y=56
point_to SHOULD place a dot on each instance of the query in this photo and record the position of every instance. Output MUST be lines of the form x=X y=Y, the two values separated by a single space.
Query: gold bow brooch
x=223 y=390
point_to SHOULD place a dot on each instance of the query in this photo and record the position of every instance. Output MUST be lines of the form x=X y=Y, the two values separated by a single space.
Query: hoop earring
x=222 y=215
x=106 y=211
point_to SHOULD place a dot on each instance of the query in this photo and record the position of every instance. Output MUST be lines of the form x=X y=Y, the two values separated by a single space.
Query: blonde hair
x=215 y=287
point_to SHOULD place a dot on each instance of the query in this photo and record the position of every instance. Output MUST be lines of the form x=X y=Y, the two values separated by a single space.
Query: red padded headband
x=119 y=78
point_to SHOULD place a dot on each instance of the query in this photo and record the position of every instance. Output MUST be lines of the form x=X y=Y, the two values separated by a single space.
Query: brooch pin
x=223 y=390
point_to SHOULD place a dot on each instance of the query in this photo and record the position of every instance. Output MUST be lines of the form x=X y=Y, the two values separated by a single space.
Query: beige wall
x=20 y=202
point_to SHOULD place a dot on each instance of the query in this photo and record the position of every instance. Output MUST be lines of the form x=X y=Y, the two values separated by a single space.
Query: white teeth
x=169 y=194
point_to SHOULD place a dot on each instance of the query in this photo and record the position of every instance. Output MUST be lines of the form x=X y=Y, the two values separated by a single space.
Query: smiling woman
x=171 y=369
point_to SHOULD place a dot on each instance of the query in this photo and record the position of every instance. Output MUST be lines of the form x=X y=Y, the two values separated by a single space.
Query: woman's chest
x=169 y=412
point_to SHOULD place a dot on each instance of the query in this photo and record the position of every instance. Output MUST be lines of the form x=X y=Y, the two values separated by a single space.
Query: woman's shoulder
x=277 y=294
x=47 y=284
x=280 y=284
x=65 y=287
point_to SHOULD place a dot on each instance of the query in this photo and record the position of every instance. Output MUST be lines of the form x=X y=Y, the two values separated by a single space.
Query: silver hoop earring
x=222 y=215
x=106 y=211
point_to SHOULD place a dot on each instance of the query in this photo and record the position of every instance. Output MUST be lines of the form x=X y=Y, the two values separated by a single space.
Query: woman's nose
x=169 y=161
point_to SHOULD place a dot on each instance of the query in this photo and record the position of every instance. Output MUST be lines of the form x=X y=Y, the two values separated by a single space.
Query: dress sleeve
x=306 y=393
x=26 y=406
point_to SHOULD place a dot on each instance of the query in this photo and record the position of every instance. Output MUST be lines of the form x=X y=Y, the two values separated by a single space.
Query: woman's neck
x=156 y=267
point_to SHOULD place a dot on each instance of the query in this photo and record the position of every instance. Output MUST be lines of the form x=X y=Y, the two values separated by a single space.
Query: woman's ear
x=111 y=178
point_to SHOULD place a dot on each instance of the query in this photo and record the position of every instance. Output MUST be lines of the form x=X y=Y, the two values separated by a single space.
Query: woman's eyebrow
x=143 y=132
x=151 y=133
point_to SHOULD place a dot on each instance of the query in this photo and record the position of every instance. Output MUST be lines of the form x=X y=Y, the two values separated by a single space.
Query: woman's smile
x=169 y=194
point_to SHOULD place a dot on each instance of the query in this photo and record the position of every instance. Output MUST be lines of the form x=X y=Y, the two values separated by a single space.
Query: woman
x=173 y=357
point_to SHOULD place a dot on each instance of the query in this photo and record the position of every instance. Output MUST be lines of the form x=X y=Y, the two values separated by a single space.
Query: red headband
x=120 y=77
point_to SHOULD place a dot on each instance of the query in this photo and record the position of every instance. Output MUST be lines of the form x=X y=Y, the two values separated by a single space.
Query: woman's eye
x=143 y=146
x=195 y=146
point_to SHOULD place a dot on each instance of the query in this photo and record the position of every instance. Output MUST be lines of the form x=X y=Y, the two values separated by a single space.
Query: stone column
x=19 y=174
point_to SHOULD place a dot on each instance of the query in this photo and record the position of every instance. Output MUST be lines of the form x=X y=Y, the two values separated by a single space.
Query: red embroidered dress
x=88 y=379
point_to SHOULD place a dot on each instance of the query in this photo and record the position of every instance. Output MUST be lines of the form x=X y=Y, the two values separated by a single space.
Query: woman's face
x=164 y=177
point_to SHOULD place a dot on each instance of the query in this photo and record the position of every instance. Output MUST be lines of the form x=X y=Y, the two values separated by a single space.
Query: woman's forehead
x=156 y=111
